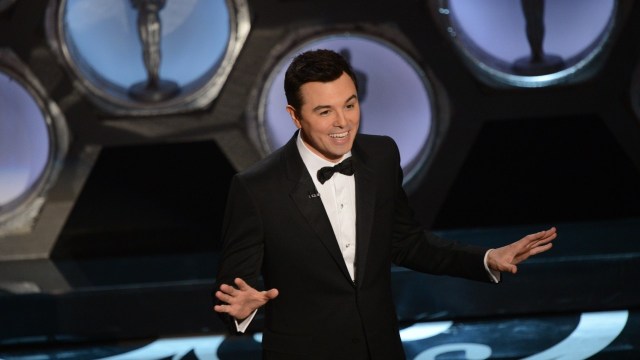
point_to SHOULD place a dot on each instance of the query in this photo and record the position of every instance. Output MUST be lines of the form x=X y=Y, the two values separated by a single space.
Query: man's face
x=329 y=117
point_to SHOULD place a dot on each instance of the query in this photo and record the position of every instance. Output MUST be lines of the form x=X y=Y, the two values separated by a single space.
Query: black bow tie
x=345 y=167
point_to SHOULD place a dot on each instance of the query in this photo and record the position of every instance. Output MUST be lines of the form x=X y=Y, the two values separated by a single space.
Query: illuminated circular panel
x=395 y=96
x=33 y=142
x=24 y=144
x=100 y=42
x=493 y=35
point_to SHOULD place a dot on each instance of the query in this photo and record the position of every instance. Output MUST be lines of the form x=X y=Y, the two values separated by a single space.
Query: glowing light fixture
x=33 y=140
x=194 y=46
x=501 y=39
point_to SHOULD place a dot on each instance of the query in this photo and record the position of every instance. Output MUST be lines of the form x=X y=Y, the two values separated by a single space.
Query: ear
x=294 y=116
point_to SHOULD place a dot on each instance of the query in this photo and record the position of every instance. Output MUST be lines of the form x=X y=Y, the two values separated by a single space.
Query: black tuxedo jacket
x=276 y=226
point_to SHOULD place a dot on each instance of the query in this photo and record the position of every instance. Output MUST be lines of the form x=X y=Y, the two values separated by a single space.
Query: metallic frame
x=492 y=70
x=20 y=215
x=114 y=99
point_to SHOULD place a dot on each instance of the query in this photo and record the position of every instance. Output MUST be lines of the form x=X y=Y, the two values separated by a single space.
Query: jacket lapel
x=306 y=198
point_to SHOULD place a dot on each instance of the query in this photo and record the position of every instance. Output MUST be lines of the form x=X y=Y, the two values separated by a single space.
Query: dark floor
x=594 y=335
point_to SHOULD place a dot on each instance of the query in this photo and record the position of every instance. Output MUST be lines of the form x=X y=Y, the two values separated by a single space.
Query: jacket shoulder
x=264 y=167
x=377 y=147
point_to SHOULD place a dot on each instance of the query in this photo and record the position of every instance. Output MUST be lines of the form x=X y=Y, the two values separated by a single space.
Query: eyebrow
x=322 y=107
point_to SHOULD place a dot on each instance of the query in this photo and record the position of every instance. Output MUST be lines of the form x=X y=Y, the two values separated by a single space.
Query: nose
x=341 y=119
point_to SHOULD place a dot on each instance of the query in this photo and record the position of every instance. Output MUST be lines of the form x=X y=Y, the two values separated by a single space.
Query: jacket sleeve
x=417 y=249
x=242 y=242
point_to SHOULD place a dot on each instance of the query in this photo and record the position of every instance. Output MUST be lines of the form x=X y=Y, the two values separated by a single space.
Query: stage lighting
x=396 y=97
x=149 y=57
x=528 y=43
x=33 y=141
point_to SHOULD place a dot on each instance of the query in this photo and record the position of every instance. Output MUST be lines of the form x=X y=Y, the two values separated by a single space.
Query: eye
x=352 y=105
x=324 y=113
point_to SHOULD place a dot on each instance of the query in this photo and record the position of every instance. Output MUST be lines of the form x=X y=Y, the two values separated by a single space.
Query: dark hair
x=314 y=65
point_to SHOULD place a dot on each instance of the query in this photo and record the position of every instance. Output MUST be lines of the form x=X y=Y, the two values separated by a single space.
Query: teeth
x=339 y=136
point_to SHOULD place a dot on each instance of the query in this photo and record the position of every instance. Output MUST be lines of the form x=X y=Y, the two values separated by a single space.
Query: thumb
x=271 y=294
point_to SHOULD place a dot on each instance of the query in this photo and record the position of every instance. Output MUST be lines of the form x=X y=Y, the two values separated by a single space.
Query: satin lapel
x=304 y=195
x=365 y=207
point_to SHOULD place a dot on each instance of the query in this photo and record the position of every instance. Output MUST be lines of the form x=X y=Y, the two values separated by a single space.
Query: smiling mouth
x=339 y=135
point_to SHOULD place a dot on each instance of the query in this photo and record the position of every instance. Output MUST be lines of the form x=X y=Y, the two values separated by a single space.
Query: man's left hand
x=508 y=257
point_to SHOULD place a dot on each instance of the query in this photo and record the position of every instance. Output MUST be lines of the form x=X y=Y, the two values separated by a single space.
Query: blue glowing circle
x=395 y=97
x=493 y=34
x=103 y=39
x=24 y=142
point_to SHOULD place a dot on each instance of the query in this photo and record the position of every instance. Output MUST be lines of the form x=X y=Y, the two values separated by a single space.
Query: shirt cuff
x=242 y=326
x=494 y=276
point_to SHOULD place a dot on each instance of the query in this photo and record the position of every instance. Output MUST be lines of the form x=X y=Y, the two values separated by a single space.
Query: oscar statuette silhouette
x=153 y=89
x=538 y=63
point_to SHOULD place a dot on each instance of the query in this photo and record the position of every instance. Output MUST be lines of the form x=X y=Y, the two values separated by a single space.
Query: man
x=324 y=243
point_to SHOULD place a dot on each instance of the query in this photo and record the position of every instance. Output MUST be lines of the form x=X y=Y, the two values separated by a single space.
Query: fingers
x=228 y=309
x=540 y=249
x=537 y=236
x=242 y=285
x=537 y=239
x=550 y=234
x=507 y=257
x=540 y=242
x=546 y=233
x=227 y=289
x=222 y=308
x=543 y=241
x=548 y=239
x=230 y=295
x=224 y=297
x=242 y=305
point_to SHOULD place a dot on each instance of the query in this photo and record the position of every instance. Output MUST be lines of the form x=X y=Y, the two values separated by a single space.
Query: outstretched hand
x=508 y=257
x=243 y=301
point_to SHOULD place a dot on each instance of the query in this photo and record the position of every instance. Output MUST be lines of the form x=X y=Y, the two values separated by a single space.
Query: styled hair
x=315 y=65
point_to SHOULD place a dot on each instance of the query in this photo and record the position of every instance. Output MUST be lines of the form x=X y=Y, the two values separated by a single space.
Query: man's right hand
x=240 y=302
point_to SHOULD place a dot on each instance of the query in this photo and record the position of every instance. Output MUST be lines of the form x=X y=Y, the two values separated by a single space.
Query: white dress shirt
x=338 y=195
